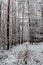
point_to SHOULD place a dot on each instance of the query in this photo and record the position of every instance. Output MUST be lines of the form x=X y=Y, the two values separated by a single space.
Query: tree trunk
x=0 y=23
x=8 y=25
x=29 y=21
x=22 y=23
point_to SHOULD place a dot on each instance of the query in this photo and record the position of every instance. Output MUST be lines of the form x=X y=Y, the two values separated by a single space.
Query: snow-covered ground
x=24 y=54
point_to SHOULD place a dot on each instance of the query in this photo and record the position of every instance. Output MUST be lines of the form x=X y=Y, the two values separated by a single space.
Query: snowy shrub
x=3 y=56
x=23 y=56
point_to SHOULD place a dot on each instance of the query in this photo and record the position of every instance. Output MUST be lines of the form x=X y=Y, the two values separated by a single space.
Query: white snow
x=23 y=54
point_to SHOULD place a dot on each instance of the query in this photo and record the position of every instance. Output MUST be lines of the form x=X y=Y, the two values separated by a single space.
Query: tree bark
x=8 y=25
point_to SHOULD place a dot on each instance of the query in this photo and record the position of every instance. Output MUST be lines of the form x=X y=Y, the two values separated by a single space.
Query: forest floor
x=23 y=54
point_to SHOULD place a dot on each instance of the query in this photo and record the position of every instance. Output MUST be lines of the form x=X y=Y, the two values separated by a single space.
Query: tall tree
x=29 y=22
x=42 y=24
x=0 y=22
x=41 y=32
x=22 y=21
x=0 y=16
x=8 y=24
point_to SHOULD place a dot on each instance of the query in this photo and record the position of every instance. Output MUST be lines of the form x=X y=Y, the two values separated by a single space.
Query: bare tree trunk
x=17 y=24
x=8 y=24
x=0 y=17
x=15 y=30
x=29 y=20
x=42 y=23
x=0 y=22
x=30 y=37
x=22 y=23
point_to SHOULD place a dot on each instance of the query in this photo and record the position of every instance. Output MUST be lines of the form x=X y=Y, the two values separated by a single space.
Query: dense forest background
x=20 y=21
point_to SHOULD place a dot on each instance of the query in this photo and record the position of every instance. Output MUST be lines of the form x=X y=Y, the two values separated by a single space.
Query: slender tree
x=0 y=22
x=22 y=22
x=19 y=25
x=29 y=22
x=0 y=16
x=42 y=26
x=8 y=24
